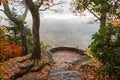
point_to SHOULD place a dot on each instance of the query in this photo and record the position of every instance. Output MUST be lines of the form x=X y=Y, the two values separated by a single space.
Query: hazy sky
x=64 y=12
x=71 y=29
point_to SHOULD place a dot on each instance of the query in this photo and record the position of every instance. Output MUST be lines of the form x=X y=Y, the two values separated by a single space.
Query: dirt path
x=65 y=56
x=60 y=71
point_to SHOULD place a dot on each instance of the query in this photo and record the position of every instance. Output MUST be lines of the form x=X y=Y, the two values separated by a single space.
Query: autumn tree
x=34 y=7
x=99 y=8
x=19 y=22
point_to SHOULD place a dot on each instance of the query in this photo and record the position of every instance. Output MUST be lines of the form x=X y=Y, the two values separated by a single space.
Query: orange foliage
x=8 y=50
x=81 y=8
x=13 y=48
x=94 y=71
x=4 y=1
x=3 y=29
x=116 y=22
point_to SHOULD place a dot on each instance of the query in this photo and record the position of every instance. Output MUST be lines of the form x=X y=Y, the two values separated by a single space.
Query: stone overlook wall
x=81 y=52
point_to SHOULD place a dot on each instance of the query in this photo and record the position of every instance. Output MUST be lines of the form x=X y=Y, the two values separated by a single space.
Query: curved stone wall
x=81 y=52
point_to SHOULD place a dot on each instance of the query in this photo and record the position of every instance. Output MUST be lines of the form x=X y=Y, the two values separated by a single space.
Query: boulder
x=47 y=56
x=80 y=60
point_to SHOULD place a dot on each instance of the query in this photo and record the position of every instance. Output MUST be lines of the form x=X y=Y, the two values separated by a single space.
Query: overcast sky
x=70 y=28
x=64 y=12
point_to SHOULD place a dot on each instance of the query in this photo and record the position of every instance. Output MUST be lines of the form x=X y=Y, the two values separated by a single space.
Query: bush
x=106 y=47
x=8 y=50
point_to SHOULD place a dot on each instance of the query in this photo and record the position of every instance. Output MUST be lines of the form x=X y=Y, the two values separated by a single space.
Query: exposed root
x=29 y=68
x=25 y=67
x=40 y=67
x=22 y=72
x=27 y=58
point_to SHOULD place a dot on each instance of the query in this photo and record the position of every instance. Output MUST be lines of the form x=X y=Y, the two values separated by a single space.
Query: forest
x=78 y=40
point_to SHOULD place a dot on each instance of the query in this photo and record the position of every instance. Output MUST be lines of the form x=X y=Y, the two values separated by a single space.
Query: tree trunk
x=19 y=24
x=34 y=9
x=23 y=39
x=103 y=20
x=36 y=37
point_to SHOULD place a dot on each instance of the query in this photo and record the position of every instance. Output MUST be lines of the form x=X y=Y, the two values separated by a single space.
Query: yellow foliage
x=116 y=22
x=3 y=29
x=81 y=8
x=4 y=1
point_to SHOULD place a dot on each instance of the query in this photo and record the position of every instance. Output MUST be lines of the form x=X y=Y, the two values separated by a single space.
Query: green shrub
x=105 y=47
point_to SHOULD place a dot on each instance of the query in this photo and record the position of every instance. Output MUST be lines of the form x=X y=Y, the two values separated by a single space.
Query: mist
x=73 y=31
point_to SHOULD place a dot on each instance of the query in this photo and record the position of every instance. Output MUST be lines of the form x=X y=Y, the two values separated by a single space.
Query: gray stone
x=47 y=56
x=65 y=75
x=80 y=60
x=34 y=77
x=59 y=67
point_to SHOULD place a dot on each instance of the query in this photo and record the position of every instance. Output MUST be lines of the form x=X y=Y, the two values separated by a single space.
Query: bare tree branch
x=51 y=6
x=53 y=10
x=24 y=14
x=9 y=14
x=93 y=21
x=93 y=13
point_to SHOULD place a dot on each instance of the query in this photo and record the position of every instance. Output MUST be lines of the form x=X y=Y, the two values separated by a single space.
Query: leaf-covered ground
x=12 y=66
x=88 y=70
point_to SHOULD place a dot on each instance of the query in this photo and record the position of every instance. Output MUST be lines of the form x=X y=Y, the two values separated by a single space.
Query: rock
x=60 y=72
x=34 y=77
x=80 y=60
x=47 y=56
x=59 y=67
x=65 y=75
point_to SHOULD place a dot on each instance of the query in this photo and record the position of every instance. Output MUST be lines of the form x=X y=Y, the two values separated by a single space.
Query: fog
x=64 y=29
x=67 y=31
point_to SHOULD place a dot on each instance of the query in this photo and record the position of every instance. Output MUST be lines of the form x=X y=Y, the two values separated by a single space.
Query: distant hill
x=60 y=32
x=65 y=31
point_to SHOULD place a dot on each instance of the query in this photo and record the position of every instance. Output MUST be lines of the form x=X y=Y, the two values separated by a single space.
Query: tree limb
x=93 y=13
x=53 y=10
x=23 y=16
x=51 y=6
x=9 y=14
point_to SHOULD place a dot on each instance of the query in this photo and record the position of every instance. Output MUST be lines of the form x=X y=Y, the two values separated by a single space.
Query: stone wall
x=79 y=51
